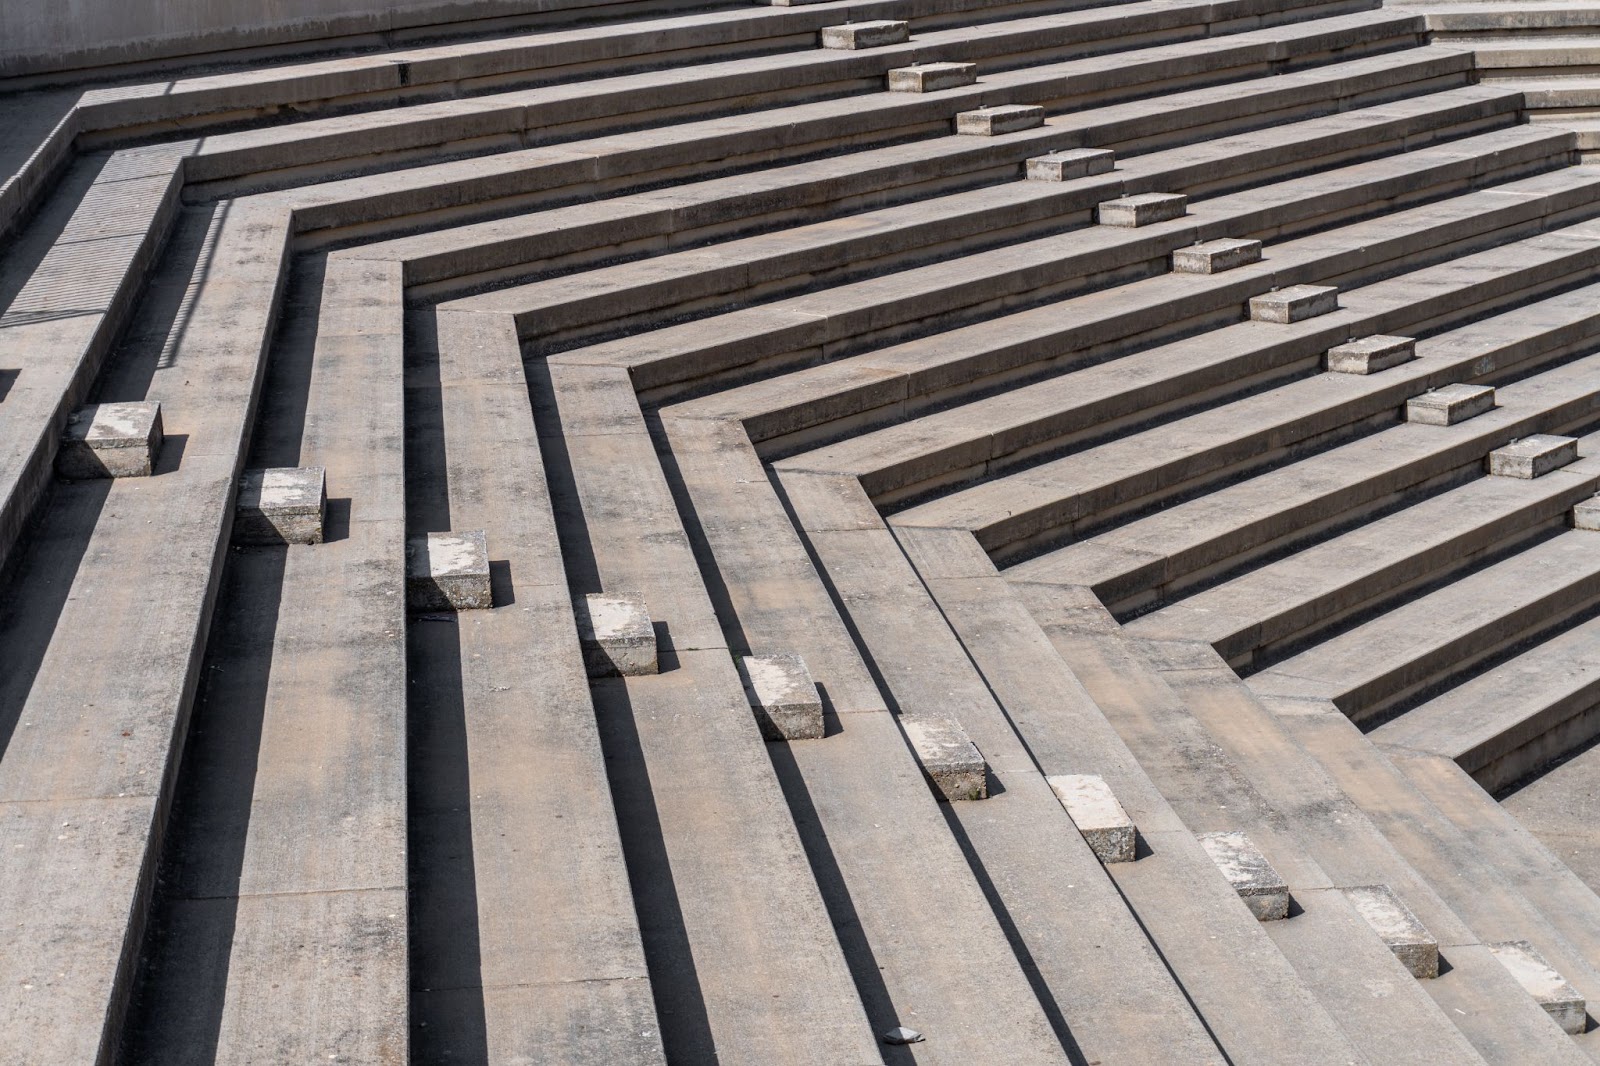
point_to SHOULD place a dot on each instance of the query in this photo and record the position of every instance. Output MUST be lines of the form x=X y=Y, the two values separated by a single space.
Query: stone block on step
x=1533 y=456
x=617 y=635
x=1449 y=404
x=1294 y=303
x=1250 y=874
x=1071 y=163
x=872 y=34
x=949 y=758
x=1539 y=979
x=994 y=121
x=1142 y=209
x=280 y=505
x=1398 y=928
x=783 y=696
x=1586 y=514
x=448 y=572
x=1094 y=809
x=1213 y=257
x=1369 y=355
x=932 y=77
x=111 y=440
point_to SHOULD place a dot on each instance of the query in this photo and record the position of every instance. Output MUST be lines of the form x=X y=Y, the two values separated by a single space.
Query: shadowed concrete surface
x=902 y=531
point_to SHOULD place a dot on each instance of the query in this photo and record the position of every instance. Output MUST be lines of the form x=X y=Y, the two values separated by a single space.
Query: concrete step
x=1111 y=395
x=59 y=328
x=640 y=294
x=1472 y=22
x=879 y=311
x=1110 y=484
x=684 y=753
x=1236 y=971
x=295 y=831
x=526 y=942
x=1543 y=55
x=83 y=794
x=256 y=160
x=1259 y=615
x=1513 y=720
x=1427 y=643
x=463 y=258
x=1227 y=765
x=775 y=600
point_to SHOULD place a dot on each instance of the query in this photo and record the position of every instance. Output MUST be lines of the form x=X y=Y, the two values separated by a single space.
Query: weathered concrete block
x=932 y=77
x=1548 y=988
x=111 y=440
x=993 y=121
x=1250 y=874
x=1142 y=209
x=873 y=34
x=281 y=505
x=1070 y=164
x=1586 y=514
x=1213 y=257
x=617 y=636
x=948 y=757
x=1294 y=304
x=1094 y=809
x=1369 y=355
x=1533 y=456
x=1450 y=404
x=448 y=572
x=1397 y=927
x=783 y=696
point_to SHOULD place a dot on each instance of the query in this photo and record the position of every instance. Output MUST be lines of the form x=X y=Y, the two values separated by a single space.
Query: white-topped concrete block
x=993 y=121
x=1250 y=874
x=1369 y=355
x=932 y=77
x=1539 y=979
x=1094 y=809
x=1449 y=404
x=111 y=440
x=1142 y=209
x=1533 y=456
x=783 y=696
x=1397 y=927
x=448 y=571
x=873 y=34
x=948 y=757
x=617 y=636
x=1294 y=303
x=1071 y=163
x=1586 y=514
x=281 y=505
x=1213 y=257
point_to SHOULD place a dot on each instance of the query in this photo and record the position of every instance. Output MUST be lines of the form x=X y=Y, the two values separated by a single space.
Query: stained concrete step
x=255 y=160
x=294 y=830
x=775 y=600
x=1377 y=666
x=1227 y=765
x=650 y=222
x=879 y=311
x=1112 y=483
x=628 y=297
x=510 y=960
x=1173 y=885
x=713 y=852
x=1287 y=603
x=1538 y=56
x=1515 y=719
x=82 y=793
x=990 y=436
x=58 y=329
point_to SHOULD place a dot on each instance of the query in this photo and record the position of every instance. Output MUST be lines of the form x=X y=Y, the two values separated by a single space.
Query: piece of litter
x=902 y=1035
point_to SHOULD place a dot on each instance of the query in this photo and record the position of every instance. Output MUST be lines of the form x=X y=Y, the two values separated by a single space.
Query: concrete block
x=1250 y=874
x=783 y=696
x=1448 y=405
x=873 y=34
x=1070 y=164
x=993 y=121
x=1213 y=257
x=932 y=77
x=1093 y=808
x=111 y=440
x=1548 y=988
x=281 y=505
x=617 y=636
x=1533 y=456
x=1294 y=304
x=448 y=572
x=1397 y=927
x=1142 y=209
x=948 y=757
x=1586 y=515
x=1371 y=354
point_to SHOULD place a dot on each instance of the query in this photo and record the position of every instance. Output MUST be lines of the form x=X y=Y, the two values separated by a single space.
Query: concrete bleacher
x=690 y=310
